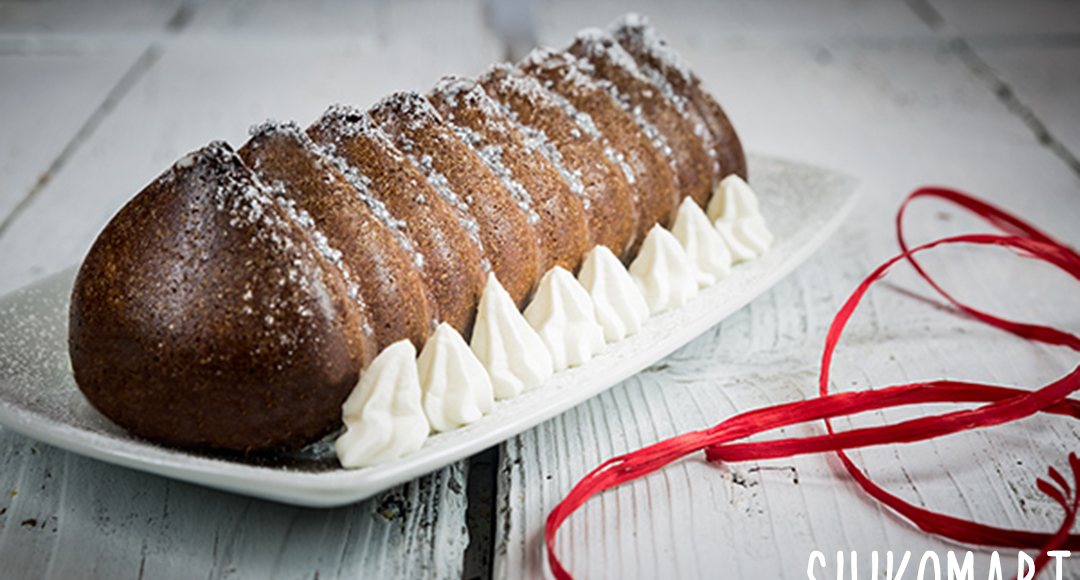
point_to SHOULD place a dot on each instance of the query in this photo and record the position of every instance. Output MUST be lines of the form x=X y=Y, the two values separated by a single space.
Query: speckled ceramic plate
x=804 y=205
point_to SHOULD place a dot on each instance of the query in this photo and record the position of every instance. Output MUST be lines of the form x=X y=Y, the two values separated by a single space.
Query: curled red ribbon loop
x=999 y=405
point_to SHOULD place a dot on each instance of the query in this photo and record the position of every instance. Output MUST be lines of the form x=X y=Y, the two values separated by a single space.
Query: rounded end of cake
x=202 y=316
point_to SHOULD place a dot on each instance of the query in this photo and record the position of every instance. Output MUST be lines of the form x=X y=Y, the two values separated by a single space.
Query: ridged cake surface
x=236 y=300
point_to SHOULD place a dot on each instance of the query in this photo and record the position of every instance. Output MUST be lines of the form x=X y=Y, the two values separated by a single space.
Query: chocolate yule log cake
x=395 y=270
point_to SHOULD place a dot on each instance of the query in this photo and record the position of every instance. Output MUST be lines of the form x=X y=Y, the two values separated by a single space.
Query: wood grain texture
x=875 y=90
x=66 y=516
x=30 y=143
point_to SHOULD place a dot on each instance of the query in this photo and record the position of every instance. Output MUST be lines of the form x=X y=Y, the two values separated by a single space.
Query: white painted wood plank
x=977 y=19
x=45 y=101
x=66 y=17
x=66 y=516
x=701 y=22
x=55 y=72
x=455 y=26
x=896 y=117
x=1046 y=81
x=898 y=114
x=59 y=63
x=282 y=19
x=1031 y=57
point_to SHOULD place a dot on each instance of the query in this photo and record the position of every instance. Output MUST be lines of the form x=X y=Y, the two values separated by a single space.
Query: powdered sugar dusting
x=412 y=110
x=635 y=31
x=272 y=127
x=304 y=221
x=349 y=122
x=618 y=158
x=636 y=36
x=468 y=136
x=535 y=139
x=461 y=93
x=682 y=105
x=425 y=163
x=492 y=157
x=233 y=188
x=654 y=135
x=250 y=206
x=564 y=64
x=600 y=44
x=452 y=88
x=581 y=118
x=405 y=114
x=466 y=93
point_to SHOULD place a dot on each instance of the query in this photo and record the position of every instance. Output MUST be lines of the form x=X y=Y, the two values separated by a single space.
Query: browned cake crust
x=661 y=64
x=202 y=315
x=672 y=133
x=557 y=214
x=234 y=301
x=508 y=242
x=447 y=258
x=384 y=284
x=579 y=155
x=650 y=176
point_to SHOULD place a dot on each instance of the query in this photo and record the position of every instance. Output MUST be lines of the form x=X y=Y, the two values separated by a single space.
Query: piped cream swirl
x=455 y=385
x=736 y=214
x=514 y=355
x=383 y=416
x=663 y=272
x=705 y=249
x=562 y=314
x=400 y=397
x=619 y=306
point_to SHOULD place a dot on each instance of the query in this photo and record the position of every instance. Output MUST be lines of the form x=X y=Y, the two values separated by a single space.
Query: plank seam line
x=131 y=77
x=481 y=489
x=1004 y=93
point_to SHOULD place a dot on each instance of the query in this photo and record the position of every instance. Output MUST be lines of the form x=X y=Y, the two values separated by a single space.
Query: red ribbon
x=998 y=405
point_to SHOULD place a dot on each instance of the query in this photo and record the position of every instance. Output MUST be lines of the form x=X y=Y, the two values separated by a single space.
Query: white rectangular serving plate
x=803 y=205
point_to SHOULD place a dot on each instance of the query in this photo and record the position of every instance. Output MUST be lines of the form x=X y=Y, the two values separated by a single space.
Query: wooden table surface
x=97 y=98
